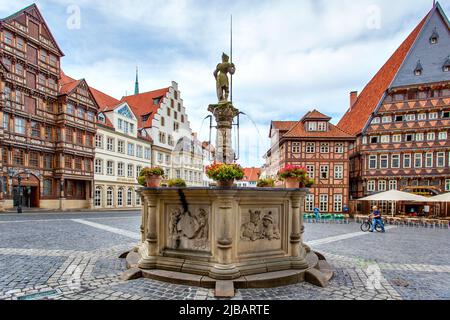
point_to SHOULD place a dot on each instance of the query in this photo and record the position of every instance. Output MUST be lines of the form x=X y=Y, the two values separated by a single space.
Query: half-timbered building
x=320 y=147
x=402 y=118
x=47 y=122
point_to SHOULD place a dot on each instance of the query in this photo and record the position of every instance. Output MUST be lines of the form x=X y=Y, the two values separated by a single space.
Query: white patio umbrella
x=394 y=196
x=441 y=198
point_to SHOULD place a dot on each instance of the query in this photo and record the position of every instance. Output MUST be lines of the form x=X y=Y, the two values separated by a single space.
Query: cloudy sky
x=292 y=56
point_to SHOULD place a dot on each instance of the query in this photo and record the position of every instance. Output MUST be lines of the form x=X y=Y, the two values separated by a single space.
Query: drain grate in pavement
x=39 y=296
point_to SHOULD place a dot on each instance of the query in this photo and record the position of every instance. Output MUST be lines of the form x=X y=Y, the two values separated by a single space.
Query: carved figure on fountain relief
x=252 y=230
x=175 y=217
x=270 y=230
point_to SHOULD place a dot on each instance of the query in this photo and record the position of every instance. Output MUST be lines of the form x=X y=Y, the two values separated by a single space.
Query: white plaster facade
x=120 y=155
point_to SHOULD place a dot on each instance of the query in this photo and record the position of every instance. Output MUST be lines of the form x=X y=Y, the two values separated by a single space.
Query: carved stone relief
x=262 y=226
x=188 y=229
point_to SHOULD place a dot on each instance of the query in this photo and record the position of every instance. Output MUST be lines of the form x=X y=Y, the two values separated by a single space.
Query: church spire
x=136 y=85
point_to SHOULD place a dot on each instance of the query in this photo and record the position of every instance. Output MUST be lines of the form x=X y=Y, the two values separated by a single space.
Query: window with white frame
x=121 y=169
x=98 y=197
x=376 y=120
x=296 y=147
x=310 y=171
x=364 y=140
x=98 y=166
x=339 y=148
x=312 y=126
x=139 y=152
x=443 y=135
x=382 y=185
x=310 y=147
x=322 y=126
x=339 y=172
x=99 y=141
x=109 y=197
x=130 y=171
x=440 y=159
x=147 y=153
x=120 y=197
x=160 y=157
x=417 y=160
x=129 y=197
x=138 y=199
x=422 y=116
x=121 y=146
x=393 y=185
x=323 y=203
x=110 y=168
x=433 y=116
x=19 y=125
x=130 y=149
x=385 y=139
x=406 y=161
x=324 y=172
x=431 y=136
x=419 y=137
x=110 y=144
x=337 y=206
x=429 y=160
x=138 y=171
x=373 y=162
x=324 y=148
x=309 y=203
x=386 y=119
x=371 y=185
x=410 y=117
x=397 y=138
x=395 y=161
x=384 y=161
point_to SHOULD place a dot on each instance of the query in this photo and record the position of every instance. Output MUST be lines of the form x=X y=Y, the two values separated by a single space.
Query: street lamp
x=12 y=175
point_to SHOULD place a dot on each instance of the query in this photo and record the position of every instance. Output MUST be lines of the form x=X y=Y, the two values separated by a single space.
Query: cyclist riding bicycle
x=377 y=220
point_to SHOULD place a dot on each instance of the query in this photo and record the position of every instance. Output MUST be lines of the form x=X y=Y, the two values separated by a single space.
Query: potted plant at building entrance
x=295 y=177
x=225 y=174
x=151 y=176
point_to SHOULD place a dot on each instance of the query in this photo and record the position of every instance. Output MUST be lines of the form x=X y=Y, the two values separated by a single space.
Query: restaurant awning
x=441 y=198
x=395 y=195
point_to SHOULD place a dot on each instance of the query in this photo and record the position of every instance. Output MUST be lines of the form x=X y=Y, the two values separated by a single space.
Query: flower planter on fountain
x=225 y=237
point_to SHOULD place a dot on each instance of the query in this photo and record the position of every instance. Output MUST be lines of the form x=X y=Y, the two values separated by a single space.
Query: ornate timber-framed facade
x=323 y=149
x=402 y=117
x=48 y=122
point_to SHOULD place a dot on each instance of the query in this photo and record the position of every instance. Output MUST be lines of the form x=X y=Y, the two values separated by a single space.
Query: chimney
x=353 y=98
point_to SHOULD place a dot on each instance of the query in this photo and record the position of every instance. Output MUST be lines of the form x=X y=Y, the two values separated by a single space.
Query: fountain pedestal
x=224 y=113
x=199 y=236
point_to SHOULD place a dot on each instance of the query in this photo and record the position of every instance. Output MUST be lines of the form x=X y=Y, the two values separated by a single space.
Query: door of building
x=29 y=198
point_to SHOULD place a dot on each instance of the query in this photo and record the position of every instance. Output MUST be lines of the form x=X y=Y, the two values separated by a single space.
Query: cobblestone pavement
x=75 y=257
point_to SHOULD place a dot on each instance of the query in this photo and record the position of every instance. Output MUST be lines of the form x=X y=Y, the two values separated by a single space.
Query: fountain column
x=224 y=269
x=297 y=251
x=224 y=113
x=150 y=210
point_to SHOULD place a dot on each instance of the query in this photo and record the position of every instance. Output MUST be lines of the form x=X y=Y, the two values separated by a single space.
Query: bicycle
x=366 y=226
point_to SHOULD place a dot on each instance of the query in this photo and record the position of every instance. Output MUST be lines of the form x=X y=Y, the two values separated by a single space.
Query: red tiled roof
x=105 y=102
x=251 y=174
x=142 y=105
x=357 y=117
x=316 y=115
x=299 y=131
x=283 y=125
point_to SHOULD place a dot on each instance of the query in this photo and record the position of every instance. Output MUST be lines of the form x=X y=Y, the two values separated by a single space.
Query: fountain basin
x=249 y=236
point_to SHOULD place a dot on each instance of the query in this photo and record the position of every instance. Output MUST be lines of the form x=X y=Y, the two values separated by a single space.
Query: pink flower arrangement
x=290 y=171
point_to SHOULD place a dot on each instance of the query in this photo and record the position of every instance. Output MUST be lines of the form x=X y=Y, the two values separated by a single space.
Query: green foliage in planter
x=225 y=172
x=152 y=172
x=266 y=183
x=177 y=183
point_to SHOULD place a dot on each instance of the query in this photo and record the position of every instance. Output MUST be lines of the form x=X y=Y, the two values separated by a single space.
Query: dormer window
x=434 y=39
x=312 y=126
x=446 y=66
x=419 y=69
x=101 y=118
x=322 y=126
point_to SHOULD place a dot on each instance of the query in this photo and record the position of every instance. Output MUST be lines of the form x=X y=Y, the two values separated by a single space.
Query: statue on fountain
x=221 y=75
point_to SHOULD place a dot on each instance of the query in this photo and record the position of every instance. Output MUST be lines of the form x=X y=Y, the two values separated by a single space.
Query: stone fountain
x=225 y=238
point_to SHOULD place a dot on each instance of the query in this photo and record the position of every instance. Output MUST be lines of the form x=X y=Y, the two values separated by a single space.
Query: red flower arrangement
x=295 y=177
x=224 y=172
